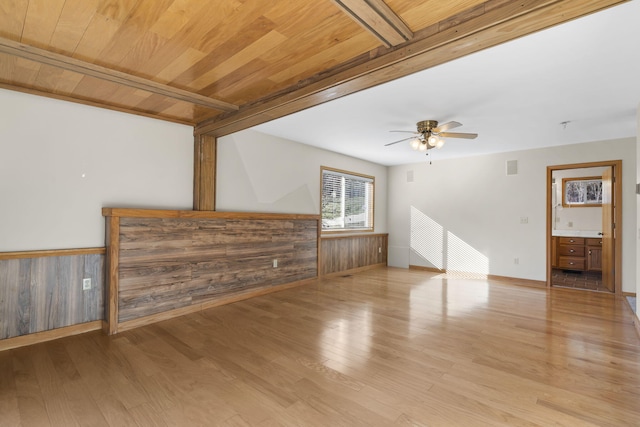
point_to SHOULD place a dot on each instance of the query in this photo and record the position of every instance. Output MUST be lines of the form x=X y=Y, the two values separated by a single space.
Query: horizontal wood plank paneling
x=345 y=253
x=160 y=213
x=44 y=292
x=169 y=260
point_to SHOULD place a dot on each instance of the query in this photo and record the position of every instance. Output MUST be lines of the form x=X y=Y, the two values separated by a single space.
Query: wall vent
x=512 y=167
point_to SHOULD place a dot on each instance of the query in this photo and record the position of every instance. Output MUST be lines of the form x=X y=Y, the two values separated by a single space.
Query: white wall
x=467 y=213
x=583 y=218
x=61 y=162
x=262 y=173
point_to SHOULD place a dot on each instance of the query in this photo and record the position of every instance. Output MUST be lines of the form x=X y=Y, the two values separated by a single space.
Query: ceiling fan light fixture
x=430 y=135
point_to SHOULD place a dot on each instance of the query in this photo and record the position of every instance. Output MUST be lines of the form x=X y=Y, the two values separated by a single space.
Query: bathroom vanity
x=579 y=251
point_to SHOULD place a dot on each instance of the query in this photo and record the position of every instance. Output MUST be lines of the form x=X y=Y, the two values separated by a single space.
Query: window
x=347 y=201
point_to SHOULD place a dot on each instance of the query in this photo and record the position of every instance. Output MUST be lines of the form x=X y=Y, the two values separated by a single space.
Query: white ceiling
x=515 y=96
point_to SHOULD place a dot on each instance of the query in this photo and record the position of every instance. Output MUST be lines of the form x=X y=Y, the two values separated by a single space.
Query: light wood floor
x=382 y=347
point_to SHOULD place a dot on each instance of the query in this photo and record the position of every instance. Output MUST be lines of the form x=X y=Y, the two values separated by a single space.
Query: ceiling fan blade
x=405 y=131
x=446 y=126
x=395 y=142
x=458 y=135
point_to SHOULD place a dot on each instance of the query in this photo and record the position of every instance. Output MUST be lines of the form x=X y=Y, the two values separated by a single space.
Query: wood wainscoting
x=41 y=291
x=349 y=254
x=162 y=263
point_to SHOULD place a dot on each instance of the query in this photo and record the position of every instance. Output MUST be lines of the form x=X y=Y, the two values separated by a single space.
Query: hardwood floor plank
x=51 y=381
x=345 y=388
x=30 y=399
x=522 y=404
x=8 y=392
x=148 y=415
x=378 y=348
x=84 y=408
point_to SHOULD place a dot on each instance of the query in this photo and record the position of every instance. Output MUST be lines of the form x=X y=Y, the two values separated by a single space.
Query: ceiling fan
x=430 y=135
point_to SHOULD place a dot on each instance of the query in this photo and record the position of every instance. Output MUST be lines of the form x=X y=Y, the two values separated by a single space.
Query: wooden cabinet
x=571 y=253
x=578 y=253
x=594 y=254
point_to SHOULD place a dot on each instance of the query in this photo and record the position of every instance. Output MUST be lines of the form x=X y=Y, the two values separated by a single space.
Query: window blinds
x=347 y=201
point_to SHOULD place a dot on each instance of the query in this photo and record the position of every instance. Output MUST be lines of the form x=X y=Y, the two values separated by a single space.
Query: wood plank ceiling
x=225 y=65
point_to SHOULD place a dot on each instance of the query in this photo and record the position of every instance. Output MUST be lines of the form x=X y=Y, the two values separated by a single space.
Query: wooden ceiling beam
x=508 y=21
x=377 y=18
x=86 y=68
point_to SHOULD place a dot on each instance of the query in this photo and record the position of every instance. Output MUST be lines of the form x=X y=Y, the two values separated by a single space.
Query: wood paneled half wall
x=163 y=263
x=348 y=254
x=42 y=291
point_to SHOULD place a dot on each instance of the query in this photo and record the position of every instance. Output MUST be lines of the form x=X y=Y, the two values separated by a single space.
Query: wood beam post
x=204 y=173
x=494 y=23
x=112 y=285
x=377 y=18
x=42 y=56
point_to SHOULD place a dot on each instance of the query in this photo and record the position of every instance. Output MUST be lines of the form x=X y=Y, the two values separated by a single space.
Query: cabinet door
x=594 y=258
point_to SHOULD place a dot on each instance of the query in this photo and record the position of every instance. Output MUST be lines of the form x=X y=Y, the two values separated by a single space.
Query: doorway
x=584 y=249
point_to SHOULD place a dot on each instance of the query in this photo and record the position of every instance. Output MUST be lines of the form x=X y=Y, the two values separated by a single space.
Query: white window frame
x=344 y=223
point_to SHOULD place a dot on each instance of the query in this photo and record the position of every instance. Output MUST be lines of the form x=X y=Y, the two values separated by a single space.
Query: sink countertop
x=576 y=233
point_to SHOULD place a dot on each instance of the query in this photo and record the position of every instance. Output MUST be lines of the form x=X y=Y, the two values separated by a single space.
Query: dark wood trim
x=319 y=247
x=204 y=173
x=504 y=279
x=352 y=236
x=53 y=334
x=51 y=252
x=42 y=56
x=110 y=326
x=551 y=262
x=434 y=46
x=197 y=155
x=160 y=213
x=378 y=19
x=616 y=166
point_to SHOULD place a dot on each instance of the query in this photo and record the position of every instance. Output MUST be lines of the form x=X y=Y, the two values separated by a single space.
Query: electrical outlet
x=524 y=220
x=86 y=284
x=275 y=263
x=570 y=224
x=516 y=261
x=380 y=250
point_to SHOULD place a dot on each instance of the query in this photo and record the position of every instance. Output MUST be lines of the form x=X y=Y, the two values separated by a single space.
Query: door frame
x=616 y=169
